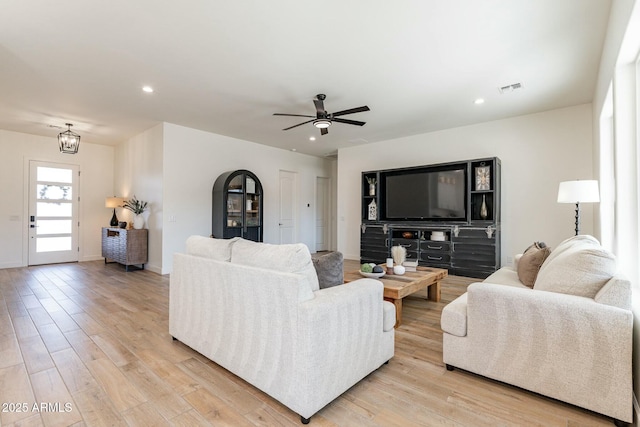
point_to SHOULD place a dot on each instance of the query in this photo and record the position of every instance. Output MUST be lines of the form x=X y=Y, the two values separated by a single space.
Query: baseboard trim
x=11 y=265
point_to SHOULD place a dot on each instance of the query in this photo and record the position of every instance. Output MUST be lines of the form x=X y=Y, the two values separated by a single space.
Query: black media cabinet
x=471 y=245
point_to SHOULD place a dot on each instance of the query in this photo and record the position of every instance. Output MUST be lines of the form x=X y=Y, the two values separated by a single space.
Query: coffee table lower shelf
x=396 y=287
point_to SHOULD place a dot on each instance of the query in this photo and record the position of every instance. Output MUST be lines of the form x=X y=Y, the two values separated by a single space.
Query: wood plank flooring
x=87 y=344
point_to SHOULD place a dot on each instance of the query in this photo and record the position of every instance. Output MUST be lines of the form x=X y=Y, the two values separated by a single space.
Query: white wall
x=139 y=172
x=537 y=151
x=96 y=183
x=192 y=161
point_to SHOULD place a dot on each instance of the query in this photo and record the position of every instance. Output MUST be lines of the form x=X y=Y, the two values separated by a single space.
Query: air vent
x=510 y=88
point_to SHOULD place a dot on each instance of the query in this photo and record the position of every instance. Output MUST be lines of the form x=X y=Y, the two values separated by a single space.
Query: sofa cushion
x=507 y=276
x=581 y=269
x=571 y=242
x=530 y=262
x=207 y=247
x=291 y=258
x=329 y=268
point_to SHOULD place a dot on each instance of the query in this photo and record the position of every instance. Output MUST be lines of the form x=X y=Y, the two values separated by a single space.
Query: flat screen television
x=436 y=195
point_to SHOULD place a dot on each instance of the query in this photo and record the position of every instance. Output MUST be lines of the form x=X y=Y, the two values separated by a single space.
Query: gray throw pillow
x=329 y=268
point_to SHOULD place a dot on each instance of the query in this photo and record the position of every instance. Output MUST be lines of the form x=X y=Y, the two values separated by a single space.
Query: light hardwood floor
x=91 y=342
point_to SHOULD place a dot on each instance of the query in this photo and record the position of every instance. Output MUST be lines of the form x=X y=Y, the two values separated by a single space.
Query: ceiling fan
x=322 y=120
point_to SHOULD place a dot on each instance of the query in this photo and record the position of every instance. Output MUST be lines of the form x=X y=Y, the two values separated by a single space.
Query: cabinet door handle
x=386 y=242
x=406 y=246
x=434 y=258
x=434 y=247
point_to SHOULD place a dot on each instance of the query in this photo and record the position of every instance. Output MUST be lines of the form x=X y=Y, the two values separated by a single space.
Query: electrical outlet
x=509 y=260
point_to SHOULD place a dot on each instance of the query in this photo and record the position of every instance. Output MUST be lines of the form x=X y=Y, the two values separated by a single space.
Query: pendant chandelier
x=68 y=141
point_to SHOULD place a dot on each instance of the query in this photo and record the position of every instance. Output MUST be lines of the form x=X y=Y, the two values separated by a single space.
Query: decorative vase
x=483 y=208
x=138 y=222
x=372 y=189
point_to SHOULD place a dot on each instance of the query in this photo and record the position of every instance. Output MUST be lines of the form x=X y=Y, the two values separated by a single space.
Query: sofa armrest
x=562 y=346
x=528 y=331
x=341 y=339
x=525 y=313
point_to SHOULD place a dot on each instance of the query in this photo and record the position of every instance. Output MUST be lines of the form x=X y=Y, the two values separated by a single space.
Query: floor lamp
x=580 y=191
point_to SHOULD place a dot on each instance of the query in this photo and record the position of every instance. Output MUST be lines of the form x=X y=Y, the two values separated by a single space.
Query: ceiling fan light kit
x=323 y=120
x=322 y=123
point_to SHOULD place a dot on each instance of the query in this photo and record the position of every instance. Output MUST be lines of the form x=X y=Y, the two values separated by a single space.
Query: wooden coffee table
x=397 y=287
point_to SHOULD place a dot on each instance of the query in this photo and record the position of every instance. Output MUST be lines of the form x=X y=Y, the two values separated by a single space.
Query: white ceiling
x=227 y=66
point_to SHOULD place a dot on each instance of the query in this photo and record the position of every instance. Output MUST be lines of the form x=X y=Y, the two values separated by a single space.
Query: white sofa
x=569 y=338
x=256 y=309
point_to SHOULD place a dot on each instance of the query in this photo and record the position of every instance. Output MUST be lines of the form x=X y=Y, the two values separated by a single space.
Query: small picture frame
x=483 y=178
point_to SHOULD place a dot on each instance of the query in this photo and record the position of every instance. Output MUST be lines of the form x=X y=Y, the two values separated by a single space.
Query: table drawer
x=408 y=244
x=435 y=246
x=435 y=257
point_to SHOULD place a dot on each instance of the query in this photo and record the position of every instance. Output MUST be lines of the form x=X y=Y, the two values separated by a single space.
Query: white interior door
x=53 y=213
x=287 y=221
x=322 y=214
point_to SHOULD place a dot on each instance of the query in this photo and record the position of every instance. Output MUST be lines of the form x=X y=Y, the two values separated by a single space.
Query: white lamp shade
x=113 y=202
x=581 y=191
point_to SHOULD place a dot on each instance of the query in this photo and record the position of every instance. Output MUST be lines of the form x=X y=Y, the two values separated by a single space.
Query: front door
x=53 y=213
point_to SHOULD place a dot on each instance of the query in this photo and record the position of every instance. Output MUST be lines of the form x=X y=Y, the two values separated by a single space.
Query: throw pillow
x=531 y=261
x=329 y=268
x=579 y=270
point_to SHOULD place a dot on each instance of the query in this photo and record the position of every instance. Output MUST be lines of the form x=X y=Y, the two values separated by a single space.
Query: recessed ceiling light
x=479 y=101
x=147 y=89
x=312 y=138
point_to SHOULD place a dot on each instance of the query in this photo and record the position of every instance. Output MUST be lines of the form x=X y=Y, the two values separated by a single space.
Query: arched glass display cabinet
x=237 y=206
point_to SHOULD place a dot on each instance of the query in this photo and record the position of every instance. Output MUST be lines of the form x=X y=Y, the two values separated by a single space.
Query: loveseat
x=568 y=337
x=256 y=309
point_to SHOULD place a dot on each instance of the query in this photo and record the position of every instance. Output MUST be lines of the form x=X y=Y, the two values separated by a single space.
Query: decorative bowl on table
x=372 y=275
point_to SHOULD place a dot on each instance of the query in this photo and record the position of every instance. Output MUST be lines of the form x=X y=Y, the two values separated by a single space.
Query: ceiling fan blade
x=324 y=131
x=349 y=122
x=291 y=115
x=319 y=106
x=299 y=124
x=351 y=111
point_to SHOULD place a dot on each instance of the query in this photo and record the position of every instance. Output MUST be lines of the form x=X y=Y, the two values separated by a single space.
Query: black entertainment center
x=446 y=215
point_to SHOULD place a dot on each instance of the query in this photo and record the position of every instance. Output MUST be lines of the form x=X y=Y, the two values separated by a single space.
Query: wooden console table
x=127 y=247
